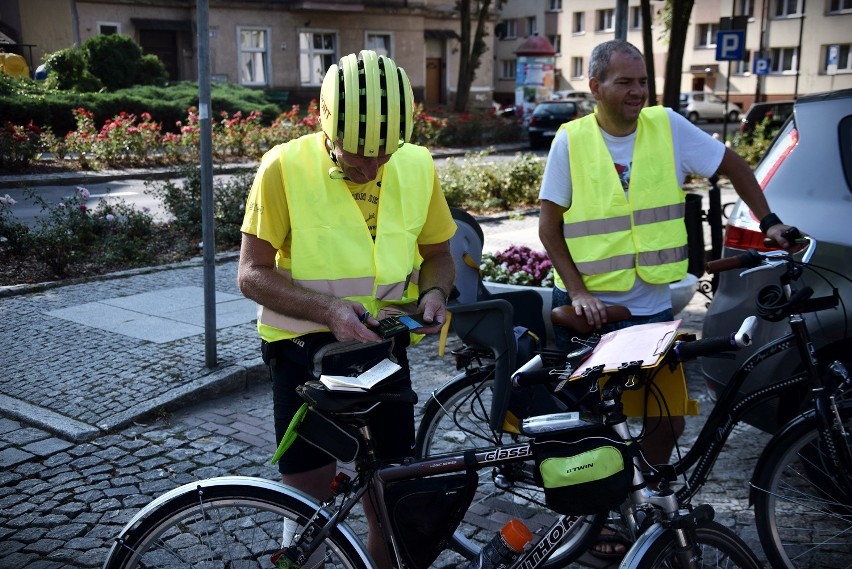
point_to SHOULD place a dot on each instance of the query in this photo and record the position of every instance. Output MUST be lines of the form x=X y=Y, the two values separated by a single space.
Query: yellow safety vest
x=612 y=238
x=332 y=250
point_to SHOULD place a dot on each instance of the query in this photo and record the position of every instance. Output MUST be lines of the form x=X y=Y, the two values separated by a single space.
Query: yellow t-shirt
x=267 y=215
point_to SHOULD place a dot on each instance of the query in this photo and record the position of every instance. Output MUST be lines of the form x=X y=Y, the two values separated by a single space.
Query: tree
x=676 y=18
x=472 y=46
x=648 y=49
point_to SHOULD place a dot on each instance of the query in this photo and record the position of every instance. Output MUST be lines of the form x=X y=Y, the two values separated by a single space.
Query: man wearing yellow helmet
x=342 y=228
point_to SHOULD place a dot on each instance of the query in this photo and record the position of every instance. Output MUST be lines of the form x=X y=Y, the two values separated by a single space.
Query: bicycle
x=470 y=408
x=245 y=522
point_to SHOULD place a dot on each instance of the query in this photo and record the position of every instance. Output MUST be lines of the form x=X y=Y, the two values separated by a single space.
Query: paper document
x=645 y=342
x=363 y=382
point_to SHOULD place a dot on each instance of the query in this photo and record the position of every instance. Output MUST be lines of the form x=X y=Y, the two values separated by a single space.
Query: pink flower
x=84 y=193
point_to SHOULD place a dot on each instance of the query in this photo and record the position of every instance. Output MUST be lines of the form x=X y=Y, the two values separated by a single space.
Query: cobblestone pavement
x=62 y=502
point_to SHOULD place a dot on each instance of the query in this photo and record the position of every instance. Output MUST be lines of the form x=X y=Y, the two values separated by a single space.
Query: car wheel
x=733 y=116
x=693 y=117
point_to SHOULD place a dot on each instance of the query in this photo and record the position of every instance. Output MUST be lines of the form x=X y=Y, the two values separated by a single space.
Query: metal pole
x=621 y=19
x=208 y=239
x=799 y=52
x=727 y=103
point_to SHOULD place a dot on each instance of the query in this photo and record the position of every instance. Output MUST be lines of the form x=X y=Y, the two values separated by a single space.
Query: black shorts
x=392 y=424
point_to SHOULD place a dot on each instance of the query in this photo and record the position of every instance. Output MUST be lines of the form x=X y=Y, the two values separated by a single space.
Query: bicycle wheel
x=803 y=516
x=233 y=522
x=716 y=546
x=456 y=418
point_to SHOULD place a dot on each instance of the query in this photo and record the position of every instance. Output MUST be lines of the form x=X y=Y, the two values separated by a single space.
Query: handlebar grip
x=704 y=347
x=792 y=235
x=745 y=260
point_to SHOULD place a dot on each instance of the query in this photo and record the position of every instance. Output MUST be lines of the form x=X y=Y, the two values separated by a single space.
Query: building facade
x=801 y=47
x=282 y=46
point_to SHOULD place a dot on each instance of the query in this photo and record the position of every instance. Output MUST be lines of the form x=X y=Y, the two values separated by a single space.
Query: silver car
x=703 y=105
x=806 y=176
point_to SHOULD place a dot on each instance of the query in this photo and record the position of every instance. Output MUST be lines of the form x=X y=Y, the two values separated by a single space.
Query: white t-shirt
x=695 y=152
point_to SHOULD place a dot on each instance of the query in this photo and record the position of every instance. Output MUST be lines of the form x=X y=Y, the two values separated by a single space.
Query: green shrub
x=752 y=146
x=476 y=185
x=114 y=59
x=64 y=67
x=151 y=71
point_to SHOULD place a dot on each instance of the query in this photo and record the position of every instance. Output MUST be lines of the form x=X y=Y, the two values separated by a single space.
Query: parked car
x=776 y=111
x=817 y=139
x=702 y=105
x=565 y=95
x=548 y=116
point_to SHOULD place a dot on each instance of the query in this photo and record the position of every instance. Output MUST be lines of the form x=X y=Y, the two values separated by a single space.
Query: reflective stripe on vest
x=610 y=238
x=332 y=251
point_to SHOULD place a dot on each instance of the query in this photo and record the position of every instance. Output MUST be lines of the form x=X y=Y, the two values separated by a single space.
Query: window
x=254 y=56
x=109 y=28
x=380 y=42
x=576 y=67
x=510 y=29
x=784 y=60
x=317 y=51
x=743 y=67
x=556 y=42
x=839 y=6
x=635 y=18
x=507 y=68
x=786 y=8
x=555 y=6
x=605 y=21
x=705 y=35
x=532 y=26
x=579 y=23
x=745 y=8
x=844 y=58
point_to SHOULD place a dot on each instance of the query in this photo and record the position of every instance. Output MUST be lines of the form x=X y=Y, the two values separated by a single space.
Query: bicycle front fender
x=642 y=545
x=271 y=485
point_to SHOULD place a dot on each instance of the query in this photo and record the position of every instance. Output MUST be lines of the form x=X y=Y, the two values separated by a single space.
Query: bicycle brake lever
x=767 y=264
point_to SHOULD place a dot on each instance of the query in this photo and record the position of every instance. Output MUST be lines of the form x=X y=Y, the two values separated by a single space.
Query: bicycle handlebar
x=753 y=258
x=708 y=346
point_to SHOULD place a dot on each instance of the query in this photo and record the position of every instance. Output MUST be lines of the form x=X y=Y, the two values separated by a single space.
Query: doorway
x=163 y=44
x=433 y=82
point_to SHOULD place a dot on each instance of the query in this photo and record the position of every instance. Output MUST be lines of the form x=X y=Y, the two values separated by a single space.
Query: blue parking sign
x=730 y=45
x=761 y=66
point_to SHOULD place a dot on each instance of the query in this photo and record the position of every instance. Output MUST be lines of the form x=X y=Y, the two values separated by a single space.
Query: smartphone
x=393 y=325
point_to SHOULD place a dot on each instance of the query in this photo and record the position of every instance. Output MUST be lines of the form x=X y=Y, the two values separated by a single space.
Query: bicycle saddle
x=323 y=399
x=565 y=316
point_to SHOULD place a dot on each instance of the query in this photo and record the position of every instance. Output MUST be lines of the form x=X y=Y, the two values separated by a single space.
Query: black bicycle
x=252 y=522
x=802 y=483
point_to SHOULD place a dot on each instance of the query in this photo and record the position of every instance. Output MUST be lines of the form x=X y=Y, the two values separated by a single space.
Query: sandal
x=609 y=546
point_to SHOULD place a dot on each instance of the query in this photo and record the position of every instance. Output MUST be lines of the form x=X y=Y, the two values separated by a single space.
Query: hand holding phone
x=393 y=325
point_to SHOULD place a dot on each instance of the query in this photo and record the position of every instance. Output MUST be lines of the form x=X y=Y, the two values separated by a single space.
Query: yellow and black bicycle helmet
x=367 y=103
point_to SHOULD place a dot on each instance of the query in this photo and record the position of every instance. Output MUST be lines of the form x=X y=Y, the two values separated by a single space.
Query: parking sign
x=730 y=45
x=761 y=66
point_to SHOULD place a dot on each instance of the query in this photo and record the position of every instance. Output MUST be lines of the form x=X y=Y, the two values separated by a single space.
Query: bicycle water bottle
x=504 y=547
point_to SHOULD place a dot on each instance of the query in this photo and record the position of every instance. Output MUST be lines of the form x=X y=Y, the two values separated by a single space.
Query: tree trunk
x=648 y=50
x=681 y=12
x=471 y=49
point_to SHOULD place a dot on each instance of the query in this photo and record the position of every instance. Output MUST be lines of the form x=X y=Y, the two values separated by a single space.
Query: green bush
x=114 y=59
x=151 y=71
x=68 y=70
x=476 y=185
x=752 y=146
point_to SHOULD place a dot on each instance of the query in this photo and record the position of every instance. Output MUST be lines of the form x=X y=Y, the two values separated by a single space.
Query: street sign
x=761 y=65
x=833 y=55
x=730 y=45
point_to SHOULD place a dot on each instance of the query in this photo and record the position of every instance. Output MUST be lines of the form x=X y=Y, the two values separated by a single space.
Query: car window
x=698 y=97
x=555 y=109
x=683 y=97
x=715 y=99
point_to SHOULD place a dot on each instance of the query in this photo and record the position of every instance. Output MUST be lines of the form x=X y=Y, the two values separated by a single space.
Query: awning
x=440 y=35
x=169 y=25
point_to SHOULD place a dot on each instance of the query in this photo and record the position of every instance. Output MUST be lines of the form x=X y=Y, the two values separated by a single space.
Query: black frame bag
x=584 y=472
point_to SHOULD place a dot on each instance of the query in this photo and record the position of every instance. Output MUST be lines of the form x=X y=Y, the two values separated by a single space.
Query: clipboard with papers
x=646 y=343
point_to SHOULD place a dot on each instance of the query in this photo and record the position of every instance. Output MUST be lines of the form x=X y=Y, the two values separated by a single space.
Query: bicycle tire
x=230 y=521
x=803 y=518
x=456 y=418
x=717 y=547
